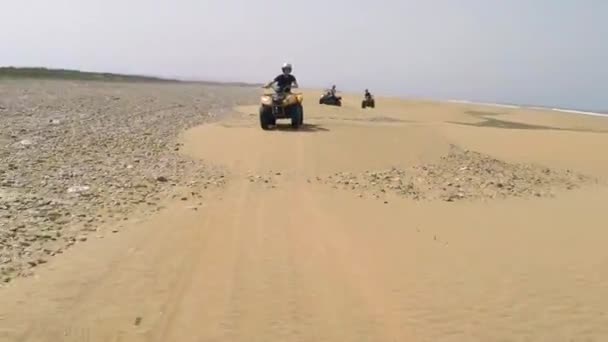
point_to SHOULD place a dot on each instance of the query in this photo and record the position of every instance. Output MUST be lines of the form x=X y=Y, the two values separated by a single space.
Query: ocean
x=602 y=113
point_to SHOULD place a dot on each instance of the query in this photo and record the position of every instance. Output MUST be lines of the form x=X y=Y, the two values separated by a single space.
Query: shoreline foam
x=486 y=104
x=572 y=111
x=561 y=110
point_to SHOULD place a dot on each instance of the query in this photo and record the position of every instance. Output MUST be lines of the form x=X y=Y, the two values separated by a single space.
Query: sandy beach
x=413 y=221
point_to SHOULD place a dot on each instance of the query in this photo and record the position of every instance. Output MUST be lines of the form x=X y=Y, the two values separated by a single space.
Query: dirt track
x=283 y=254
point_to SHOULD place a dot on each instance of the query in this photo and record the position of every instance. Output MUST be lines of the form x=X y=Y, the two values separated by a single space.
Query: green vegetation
x=63 y=74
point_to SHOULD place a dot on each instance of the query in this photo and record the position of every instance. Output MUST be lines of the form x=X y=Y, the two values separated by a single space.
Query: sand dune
x=415 y=221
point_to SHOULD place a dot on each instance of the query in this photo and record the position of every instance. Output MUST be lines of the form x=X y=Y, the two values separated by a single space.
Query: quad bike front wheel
x=297 y=116
x=266 y=117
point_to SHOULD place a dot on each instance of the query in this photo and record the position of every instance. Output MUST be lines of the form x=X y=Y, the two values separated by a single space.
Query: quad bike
x=368 y=102
x=328 y=99
x=281 y=104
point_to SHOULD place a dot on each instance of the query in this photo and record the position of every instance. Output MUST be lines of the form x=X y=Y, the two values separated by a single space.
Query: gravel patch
x=461 y=175
x=79 y=155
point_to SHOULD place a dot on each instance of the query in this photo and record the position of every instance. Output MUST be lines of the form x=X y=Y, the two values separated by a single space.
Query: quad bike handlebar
x=275 y=90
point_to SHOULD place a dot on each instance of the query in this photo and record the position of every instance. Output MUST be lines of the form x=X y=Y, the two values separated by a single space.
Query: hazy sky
x=551 y=52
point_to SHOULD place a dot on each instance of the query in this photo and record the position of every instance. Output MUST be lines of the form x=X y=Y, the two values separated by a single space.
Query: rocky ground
x=76 y=157
x=461 y=175
x=268 y=180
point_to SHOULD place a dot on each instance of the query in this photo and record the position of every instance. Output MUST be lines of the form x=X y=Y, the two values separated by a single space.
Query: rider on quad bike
x=285 y=80
x=333 y=91
x=282 y=103
x=330 y=97
x=368 y=100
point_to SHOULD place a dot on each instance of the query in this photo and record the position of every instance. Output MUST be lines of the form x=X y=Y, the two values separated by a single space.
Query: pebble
x=78 y=189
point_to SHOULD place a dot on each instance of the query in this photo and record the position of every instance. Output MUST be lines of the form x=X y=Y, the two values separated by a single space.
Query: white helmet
x=286 y=68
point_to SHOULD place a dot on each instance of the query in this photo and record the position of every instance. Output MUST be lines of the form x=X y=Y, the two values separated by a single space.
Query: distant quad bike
x=328 y=99
x=368 y=102
x=281 y=104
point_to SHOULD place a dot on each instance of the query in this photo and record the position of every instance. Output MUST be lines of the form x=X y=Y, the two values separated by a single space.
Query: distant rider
x=367 y=94
x=284 y=80
x=333 y=91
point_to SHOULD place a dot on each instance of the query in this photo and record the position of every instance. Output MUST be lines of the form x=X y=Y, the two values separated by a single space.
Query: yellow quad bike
x=281 y=104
